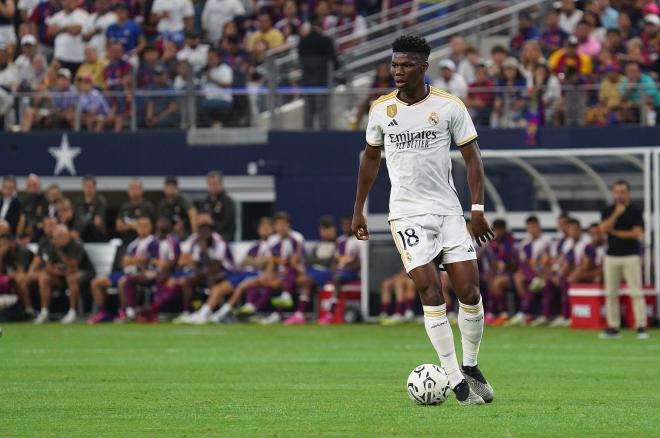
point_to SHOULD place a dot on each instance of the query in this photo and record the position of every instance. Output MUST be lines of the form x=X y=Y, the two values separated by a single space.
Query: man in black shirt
x=10 y=206
x=14 y=261
x=90 y=212
x=35 y=207
x=317 y=56
x=178 y=209
x=220 y=206
x=624 y=225
x=69 y=267
x=135 y=207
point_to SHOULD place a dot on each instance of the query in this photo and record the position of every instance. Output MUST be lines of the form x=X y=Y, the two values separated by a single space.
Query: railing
x=340 y=108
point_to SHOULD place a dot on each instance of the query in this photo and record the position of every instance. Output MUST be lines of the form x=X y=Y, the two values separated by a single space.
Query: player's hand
x=619 y=209
x=359 y=226
x=480 y=228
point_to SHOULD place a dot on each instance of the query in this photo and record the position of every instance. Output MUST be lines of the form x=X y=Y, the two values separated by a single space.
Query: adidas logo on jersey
x=470 y=249
x=393 y=123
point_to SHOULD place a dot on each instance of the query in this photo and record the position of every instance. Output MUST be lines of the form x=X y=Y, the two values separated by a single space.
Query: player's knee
x=431 y=295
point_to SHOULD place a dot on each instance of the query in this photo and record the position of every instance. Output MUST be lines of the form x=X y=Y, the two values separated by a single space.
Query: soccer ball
x=428 y=385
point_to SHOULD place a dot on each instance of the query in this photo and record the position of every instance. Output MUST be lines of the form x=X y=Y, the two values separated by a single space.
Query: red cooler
x=588 y=311
x=348 y=296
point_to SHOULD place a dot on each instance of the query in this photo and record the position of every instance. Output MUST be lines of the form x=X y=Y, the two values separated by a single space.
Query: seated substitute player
x=14 y=263
x=403 y=289
x=69 y=267
x=590 y=267
x=416 y=125
x=239 y=283
x=504 y=262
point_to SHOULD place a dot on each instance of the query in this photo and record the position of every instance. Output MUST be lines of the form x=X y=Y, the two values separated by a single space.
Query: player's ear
x=425 y=65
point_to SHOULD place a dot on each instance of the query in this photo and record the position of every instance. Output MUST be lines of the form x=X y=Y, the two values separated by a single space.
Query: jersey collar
x=428 y=93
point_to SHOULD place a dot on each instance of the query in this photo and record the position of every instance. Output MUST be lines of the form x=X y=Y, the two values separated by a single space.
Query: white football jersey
x=417 y=139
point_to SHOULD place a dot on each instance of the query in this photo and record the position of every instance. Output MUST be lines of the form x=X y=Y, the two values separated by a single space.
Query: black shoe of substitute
x=465 y=396
x=610 y=333
x=478 y=383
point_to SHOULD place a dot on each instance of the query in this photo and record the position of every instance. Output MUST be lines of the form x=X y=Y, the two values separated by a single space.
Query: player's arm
x=635 y=234
x=369 y=165
x=475 y=175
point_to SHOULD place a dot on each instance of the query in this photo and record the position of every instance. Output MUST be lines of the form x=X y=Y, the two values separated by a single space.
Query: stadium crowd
x=94 y=55
x=179 y=251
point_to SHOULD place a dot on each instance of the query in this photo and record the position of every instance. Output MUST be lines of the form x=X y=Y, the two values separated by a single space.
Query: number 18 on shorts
x=420 y=239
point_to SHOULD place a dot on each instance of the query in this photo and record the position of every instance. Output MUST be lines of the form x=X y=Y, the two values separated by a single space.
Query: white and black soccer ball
x=428 y=385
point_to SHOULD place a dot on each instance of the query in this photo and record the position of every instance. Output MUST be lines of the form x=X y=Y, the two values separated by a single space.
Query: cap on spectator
x=447 y=63
x=572 y=40
x=652 y=19
x=87 y=78
x=28 y=40
x=64 y=73
x=171 y=179
x=510 y=62
x=651 y=8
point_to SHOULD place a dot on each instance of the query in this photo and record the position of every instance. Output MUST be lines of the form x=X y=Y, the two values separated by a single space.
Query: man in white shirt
x=195 y=53
x=216 y=13
x=450 y=81
x=174 y=17
x=23 y=62
x=8 y=81
x=98 y=23
x=66 y=27
x=569 y=16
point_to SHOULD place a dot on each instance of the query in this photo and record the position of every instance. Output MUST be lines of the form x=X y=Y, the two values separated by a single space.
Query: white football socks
x=471 y=323
x=442 y=338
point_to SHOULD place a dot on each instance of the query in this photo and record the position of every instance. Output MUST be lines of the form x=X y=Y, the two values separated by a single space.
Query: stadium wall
x=314 y=171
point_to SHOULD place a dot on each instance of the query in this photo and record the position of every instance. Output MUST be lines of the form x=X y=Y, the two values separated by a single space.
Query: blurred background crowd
x=125 y=64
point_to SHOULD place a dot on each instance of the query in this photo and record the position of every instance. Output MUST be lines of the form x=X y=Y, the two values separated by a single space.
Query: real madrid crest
x=391 y=110
x=434 y=119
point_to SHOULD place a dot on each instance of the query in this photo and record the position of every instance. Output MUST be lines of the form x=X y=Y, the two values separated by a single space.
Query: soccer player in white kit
x=416 y=125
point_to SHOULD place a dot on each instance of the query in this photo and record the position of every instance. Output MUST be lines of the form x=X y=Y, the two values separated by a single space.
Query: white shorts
x=421 y=239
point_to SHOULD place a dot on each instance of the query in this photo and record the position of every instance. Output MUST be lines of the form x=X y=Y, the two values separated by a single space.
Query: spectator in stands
x=37 y=265
x=11 y=209
x=218 y=12
x=118 y=80
x=469 y=64
x=626 y=28
x=94 y=109
x=178 y=208
x=233 y=54
x=174 y=18
x=504 y=265
x=597 y=29
x=548 y=88
x=350 y=24
x=553 y=38
x=569 y=57
x=607 y=14
x=14 y=263
x=590 y=267
x=265 y=32
x=456 y=49
x=93 y=67
x=62 y=106
x=613 y=42
x=220 y=206
x=635 y=53
x=68 y=266
x=317 y=57
x=510 y=106
x=608 y=91
x=35 y=207
x=290 y=16
x=53 y=195
x=7 y=12
x=481 y=96
x=569 y=16
x=90 y=212
x=497 y=56
x=9 y=82
x=66 y=215
x=624 y=225
x=383 y=81
x=639 y=94
x=530 y=57
x=42 y=12
x=129 y=211
x=146 y=71
x=195 y=53
x=126 y=32
x=587 y=43
x=23 y=63
x=449 y=80
x=36 y=78
x=66 y=27
x=216 y=88
x=162 y=111
x=526 y=31
x=94 y=31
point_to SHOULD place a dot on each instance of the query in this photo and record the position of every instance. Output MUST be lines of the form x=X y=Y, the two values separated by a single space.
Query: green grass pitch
x=242 y=380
